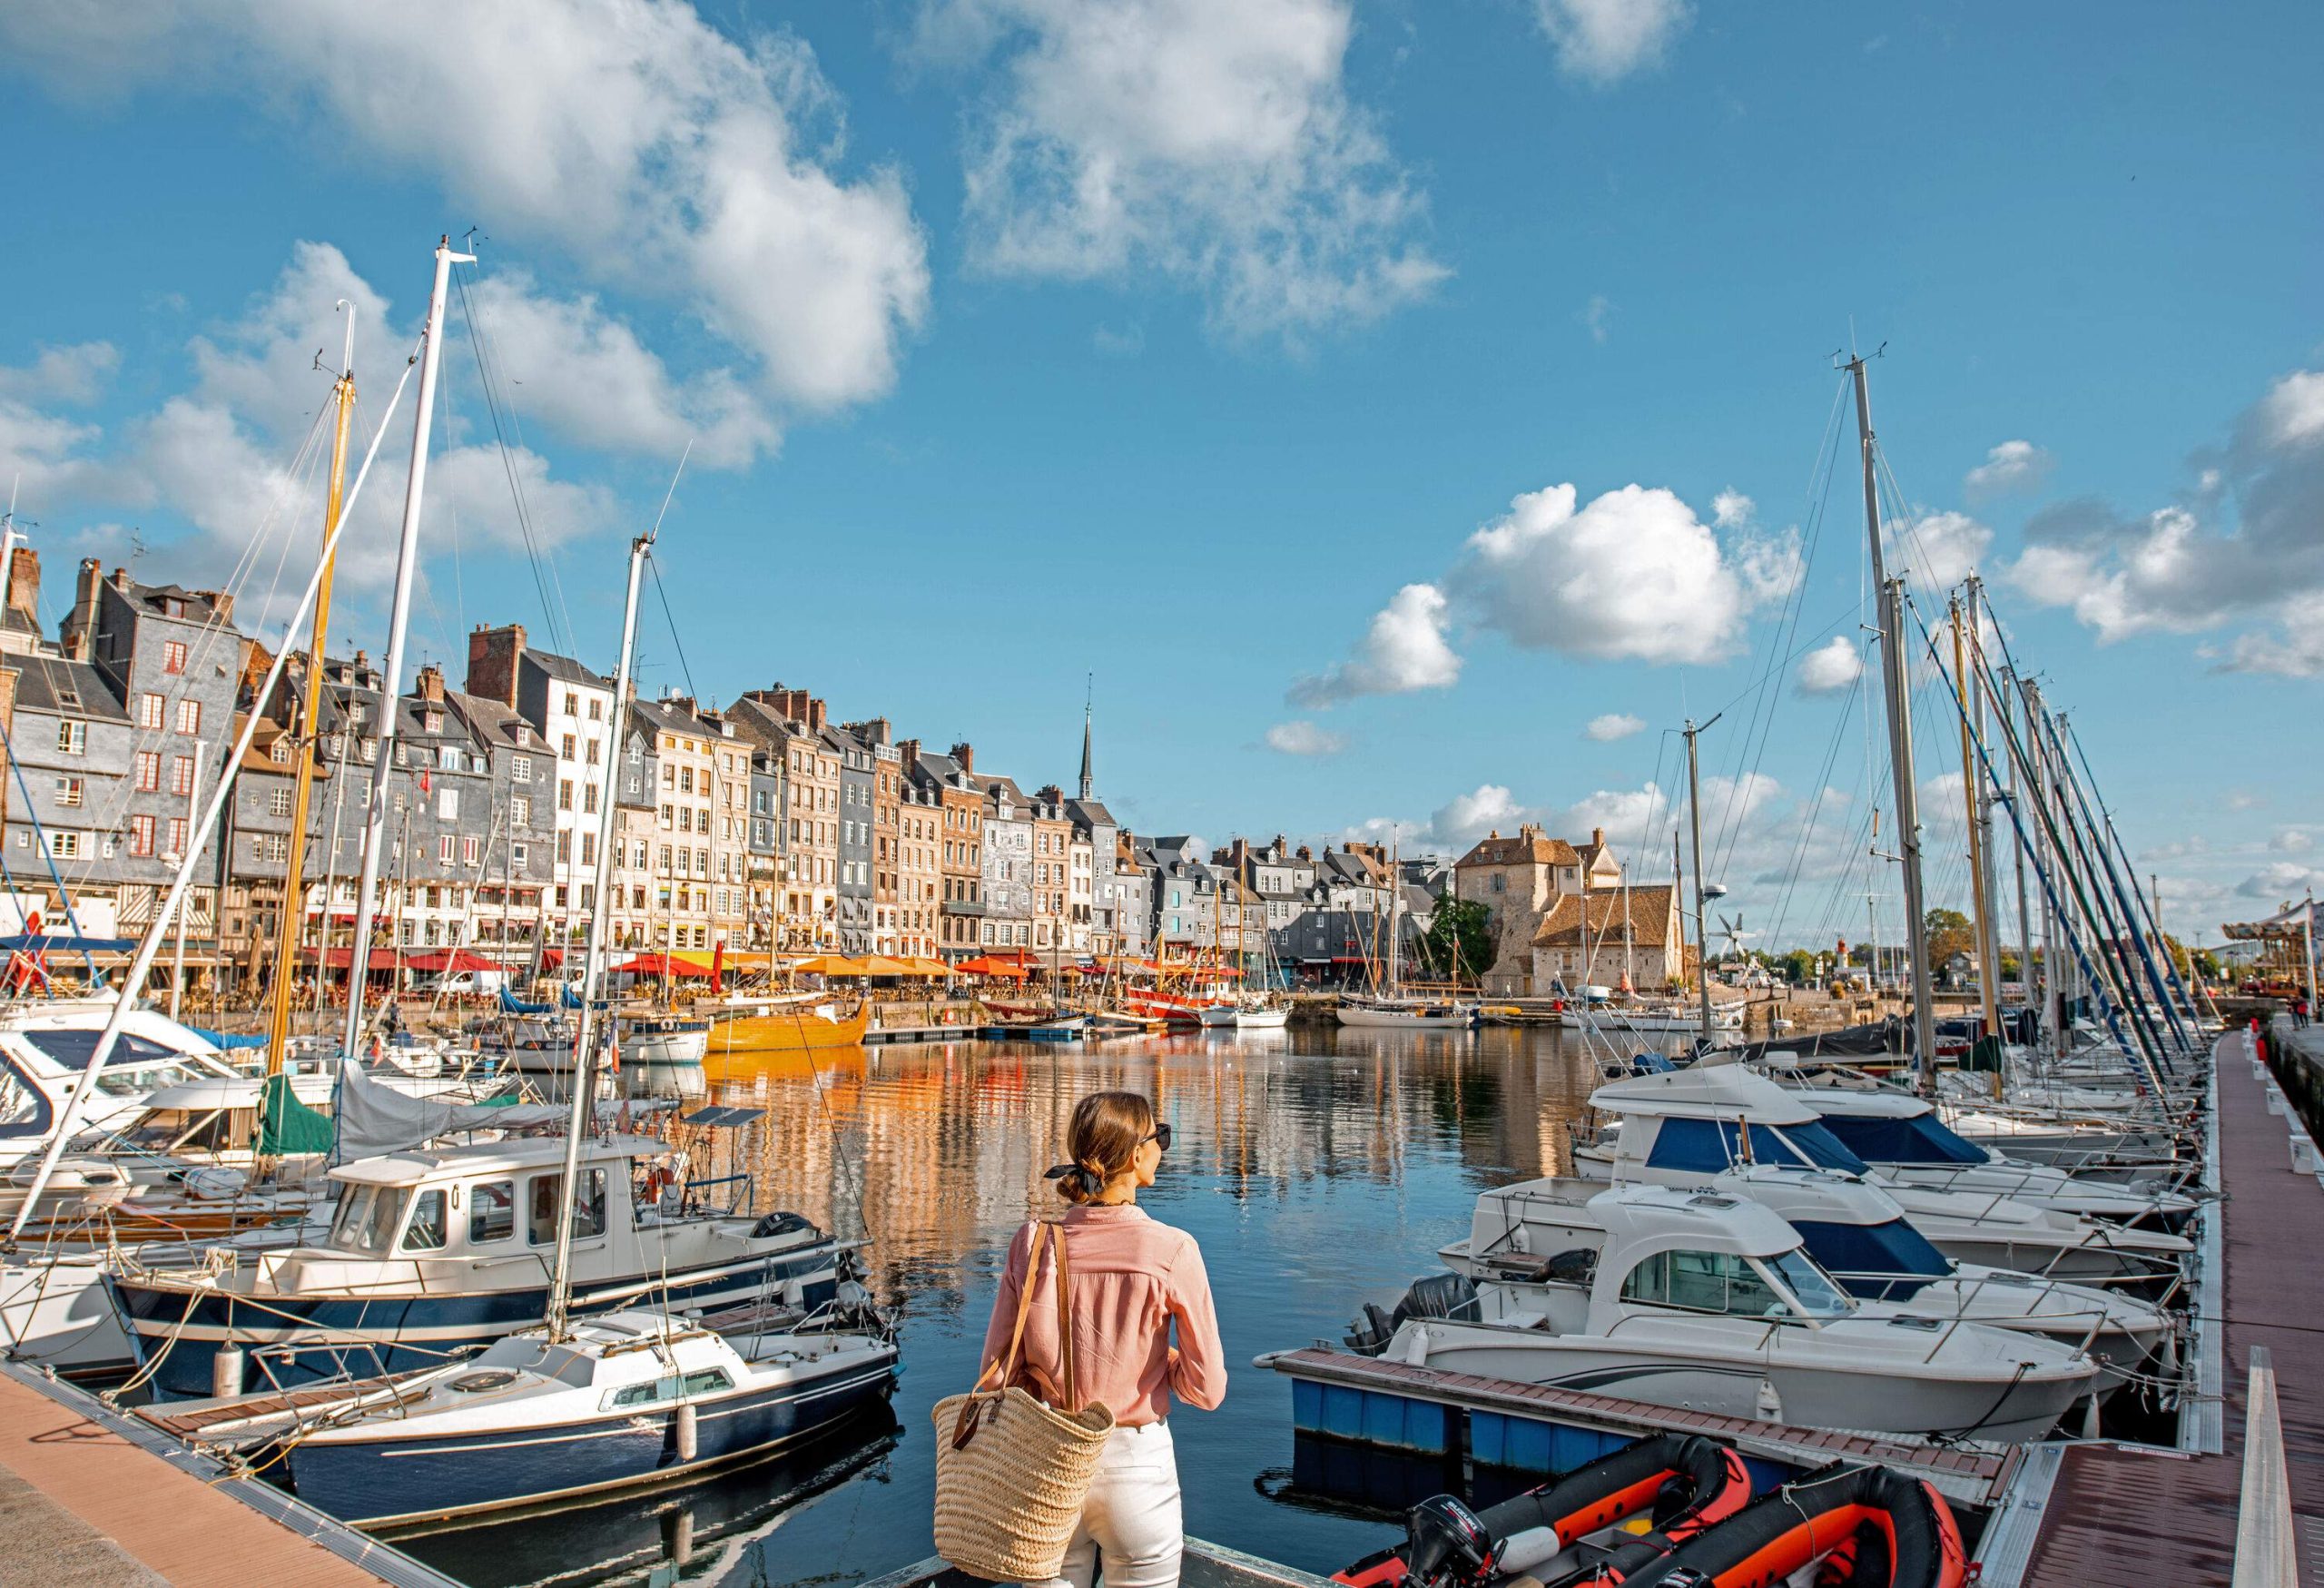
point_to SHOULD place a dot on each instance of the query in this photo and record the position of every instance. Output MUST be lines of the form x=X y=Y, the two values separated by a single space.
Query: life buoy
x=1682 y=1482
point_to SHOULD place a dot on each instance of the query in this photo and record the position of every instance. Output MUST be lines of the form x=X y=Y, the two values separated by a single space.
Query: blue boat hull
x=403 y=1479
x=298 y=1340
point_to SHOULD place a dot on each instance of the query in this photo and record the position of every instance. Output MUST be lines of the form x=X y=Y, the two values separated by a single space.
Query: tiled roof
x=50 y=684
x=566 y=670
x=1598 y=916
x=1522 y=850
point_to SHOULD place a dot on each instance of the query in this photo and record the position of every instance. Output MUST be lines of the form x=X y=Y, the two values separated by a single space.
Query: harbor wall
x=2296 y=1058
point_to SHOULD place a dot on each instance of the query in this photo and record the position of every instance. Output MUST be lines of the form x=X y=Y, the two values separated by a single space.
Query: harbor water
x=1317 y=1168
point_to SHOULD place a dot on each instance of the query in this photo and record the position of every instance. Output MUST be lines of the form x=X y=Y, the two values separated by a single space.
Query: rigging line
x=1823 y=784
x=487 y=381
x=1761 y=725
x=667 y=616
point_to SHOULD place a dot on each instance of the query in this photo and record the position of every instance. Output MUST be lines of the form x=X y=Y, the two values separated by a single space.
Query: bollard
x=226 y=1371
x=2303 y=1155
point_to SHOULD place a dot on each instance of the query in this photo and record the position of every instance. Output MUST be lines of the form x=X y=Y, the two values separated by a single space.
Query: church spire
x=1088 y=783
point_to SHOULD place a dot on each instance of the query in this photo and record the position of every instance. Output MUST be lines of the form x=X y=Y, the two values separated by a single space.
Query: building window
x=471 y=852
x=566 y=753
x=520 y=810
x=520 y=768
x=589 y=798
x=520 y=855
x=151 y=713
x=148 y=771
x=182 y=775
x=68 y=791
x=447 y=805
x=177 y=835
x=189 y=718
x=174 y=656
x=278 y=844
x=564 y=848
x=588 y=849
x=444 y=849
x=278 y=802
x=564 y=794
x=141 y=835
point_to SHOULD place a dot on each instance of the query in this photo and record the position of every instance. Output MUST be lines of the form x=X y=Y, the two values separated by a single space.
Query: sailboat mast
x=1900 y=742
x=293 y=914
x=1702 y=922
x=1395 y=914
x=375 y=826
x=560 y=1295
x=1973 y=796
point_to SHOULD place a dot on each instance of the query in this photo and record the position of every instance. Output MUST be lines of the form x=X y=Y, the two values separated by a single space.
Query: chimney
x=24 y=582
x=1597 y=838
x=120 y=580
x=1303 y=853
x=814 y=714
x=966 y=754
x=909 y=751
x=431 y=683
x=81 y=626
x=1529 y=832
x=495 y=658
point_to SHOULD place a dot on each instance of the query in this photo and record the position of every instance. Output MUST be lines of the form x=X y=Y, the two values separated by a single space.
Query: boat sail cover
x=287 y=1127
x=375 y=1118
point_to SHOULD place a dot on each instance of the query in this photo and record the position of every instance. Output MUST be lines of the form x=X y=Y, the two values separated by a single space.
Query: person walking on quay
x=2299 y=1011
x=1129 y=1281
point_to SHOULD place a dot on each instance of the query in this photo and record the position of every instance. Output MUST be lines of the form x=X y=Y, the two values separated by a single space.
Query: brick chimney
x=1598 y=837
x=24 y=582
x=966 y=754
x=494 y=658
x=430 y=684
x=909 y=751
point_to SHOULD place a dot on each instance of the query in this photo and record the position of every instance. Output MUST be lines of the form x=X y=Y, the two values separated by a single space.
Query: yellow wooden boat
x=739 y=1039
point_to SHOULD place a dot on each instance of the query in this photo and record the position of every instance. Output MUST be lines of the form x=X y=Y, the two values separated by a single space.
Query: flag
x=718 y=963
x=424 y=784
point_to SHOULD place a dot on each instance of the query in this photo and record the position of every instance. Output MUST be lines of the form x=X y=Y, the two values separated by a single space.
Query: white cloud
x=1936 y=551
x=63 y=377
x=1731 y=510
x=2240 y=548
x=1614 y=726
x=1603 y=41
x=2243 y=799
x=1633 y=575
x=2292 y=840
x=2012 y=466
x=1490 y=807
x=1830 y=667
x=1304 y=738
x=1126 y=343
x=1598 y=318
x=662 y=154
x=1404 y=650
x=2280 y=880
x=1212 y=143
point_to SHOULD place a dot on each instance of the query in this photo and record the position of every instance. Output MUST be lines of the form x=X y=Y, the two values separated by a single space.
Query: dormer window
x=280 y=751
x=433 y=722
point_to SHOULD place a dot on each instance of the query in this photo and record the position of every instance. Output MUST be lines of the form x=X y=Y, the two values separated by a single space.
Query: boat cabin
x=1887 y=1127
x=215 y=1119
x=494 y=1199
x=1702 y=1121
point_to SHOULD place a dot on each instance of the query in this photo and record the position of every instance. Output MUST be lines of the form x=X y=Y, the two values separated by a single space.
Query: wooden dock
x=89 y=1495
x=2086 y=1511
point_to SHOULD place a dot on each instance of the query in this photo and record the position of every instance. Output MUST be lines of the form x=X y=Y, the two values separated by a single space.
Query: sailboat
x=1253 y=1008
x=1389 y=1007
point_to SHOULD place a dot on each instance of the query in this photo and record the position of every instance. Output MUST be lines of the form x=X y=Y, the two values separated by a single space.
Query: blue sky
x=1188 y=342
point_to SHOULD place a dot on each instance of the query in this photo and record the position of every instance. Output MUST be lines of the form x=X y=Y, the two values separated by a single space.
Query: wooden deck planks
x=167 y=1521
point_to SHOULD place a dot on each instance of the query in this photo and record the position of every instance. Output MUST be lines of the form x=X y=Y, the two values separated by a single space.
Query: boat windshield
x=1818 y=1295
x=1923 y=1140
x=1881 y=1262
x=369 y=1218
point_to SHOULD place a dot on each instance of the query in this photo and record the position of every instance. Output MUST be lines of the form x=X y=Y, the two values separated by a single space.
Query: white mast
x=560 y=1294
x=1395 y=913
x=375 y=826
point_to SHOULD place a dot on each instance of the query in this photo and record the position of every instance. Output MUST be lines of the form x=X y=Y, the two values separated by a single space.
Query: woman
x=1128 y=1280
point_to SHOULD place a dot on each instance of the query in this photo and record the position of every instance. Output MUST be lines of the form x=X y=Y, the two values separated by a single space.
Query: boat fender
x=1522 y=1552
x=226 y=1372
x=688 y=1437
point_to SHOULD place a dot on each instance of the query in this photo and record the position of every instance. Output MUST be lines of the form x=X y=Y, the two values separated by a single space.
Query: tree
x=1799 y=967
x=1459 y=945
x=1948 y=934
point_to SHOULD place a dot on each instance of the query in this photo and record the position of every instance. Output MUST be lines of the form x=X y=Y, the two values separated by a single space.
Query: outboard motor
x=1447 y=1547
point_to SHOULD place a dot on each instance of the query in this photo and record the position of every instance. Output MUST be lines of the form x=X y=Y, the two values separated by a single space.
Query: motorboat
x=1904 y=1138
x=626 y=1399
x=1619 y=1018
x=1710 y=1302
x=1685 y=1127
x=1255 y=1014
x=1527 y=1233
x=45 y=1046
x=430 y=1253
x=1420 y=1014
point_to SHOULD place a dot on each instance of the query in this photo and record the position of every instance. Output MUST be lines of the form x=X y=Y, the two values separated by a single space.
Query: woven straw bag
x=1011 y=1472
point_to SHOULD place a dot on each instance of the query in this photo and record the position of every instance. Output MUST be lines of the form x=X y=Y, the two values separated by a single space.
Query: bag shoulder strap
x=1064 y=1326
x=1007 y=1366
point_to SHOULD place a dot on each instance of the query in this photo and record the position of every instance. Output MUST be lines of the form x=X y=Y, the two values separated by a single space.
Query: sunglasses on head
x=1161 y=1139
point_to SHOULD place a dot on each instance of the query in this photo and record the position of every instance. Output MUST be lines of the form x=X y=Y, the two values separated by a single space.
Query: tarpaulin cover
x=230 y=1039
x=375 y=1117
x=287 y=1127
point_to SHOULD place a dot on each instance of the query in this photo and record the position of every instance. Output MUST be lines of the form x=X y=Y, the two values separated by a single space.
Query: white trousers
x=1130 y=1522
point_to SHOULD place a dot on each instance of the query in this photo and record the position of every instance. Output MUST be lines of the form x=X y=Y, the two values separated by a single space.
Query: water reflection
x=1315 y=1168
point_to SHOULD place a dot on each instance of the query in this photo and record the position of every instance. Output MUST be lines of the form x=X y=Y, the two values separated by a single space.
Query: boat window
x=113 y=1080
x=71 y=1047
x=1704 y=1282
x=492 y=1212
x=670 y=1386
x=24 y=1109
x=1823 y=1149
x=1708 y=1146
x=428 y=1232
x=1817 y=1293
x=1923 y=1139
x=1882 y=1262
x=193 y=1129
x=709 y=1381
x=368 y=1218
x=637 y=1394
x=588 y=1211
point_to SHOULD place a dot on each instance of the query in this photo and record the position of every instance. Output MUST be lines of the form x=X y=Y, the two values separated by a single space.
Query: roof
x=1704 y=1091
x=47 y=684
x=1705 y=1220
x=1528 y=848
x=1600 y=916
x=566 y=670
x=404 y=1168
x=200 y=606
x=494 y=721
x=1091 y=813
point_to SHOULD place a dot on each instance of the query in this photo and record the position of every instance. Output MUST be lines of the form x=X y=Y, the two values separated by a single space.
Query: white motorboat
x=1904 y=1138
x=626 y=1399
x=1856 y=1233
x=1708 y=1303
x=1253 y=1016
x=1617 y=1018
x=1687 y=1127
